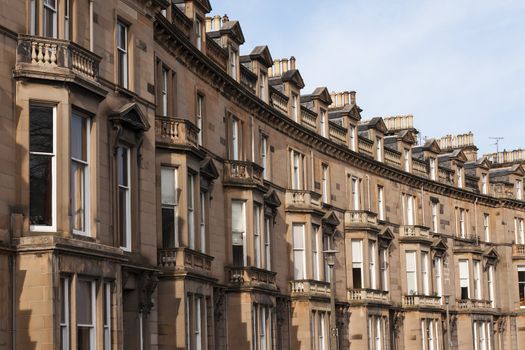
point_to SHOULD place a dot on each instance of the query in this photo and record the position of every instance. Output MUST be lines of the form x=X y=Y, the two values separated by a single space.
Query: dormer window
x=295 y=114
x=198 y=33
x=379 y=149
x=324 y=123
x=233 y=63
x=433 y=169
x=406 y=158
x=262 y=86
x=459 y=172
x=519 y=191
x=484 y=184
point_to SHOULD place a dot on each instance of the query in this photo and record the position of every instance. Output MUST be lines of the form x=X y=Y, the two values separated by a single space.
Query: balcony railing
x=518 y=251
x=414 y=232
x=356 y=219
x=279 y=101
x=470 y=304
x=392 y=158
x=421 y=301
x=367 y=295
x=310 y=288
x=419 y=167
x=55 y=59
x=175 y=132
x=184 y=259
x=303 y=200
x=251 y=277
x=244 y=173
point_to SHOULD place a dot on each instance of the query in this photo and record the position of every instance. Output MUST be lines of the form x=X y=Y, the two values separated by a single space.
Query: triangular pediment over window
x=439 y=247
x=491 y=257
x=272 y=199
x=131 y=116
x=331 y=219
x=208 y=169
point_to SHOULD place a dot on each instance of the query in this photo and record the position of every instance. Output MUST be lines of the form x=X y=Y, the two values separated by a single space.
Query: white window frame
x=65 y=327
x=357 y=259
x=407 y=159
x=164 y=90
x=435 y=216
x=107 y=316
x=295 y=114
x=233 y=63
x=264 y=156
x=325 y=173
x=379 y=149
x=198 y=33
x=383 y=261
x=355 y=189
x=257 y=220
x=462 y=222
x=484 y=183
x=53 y=155
x=464 y=278
x=353 y=138
x=93 y=326
x=267 y=243
x=323 y=123
x=171 y=205
x=200 y=118
x=86 y=180
x=54 y=17
x=235 y=139
x=299 y=252
x=202 y=221
x=411 y=273
x=438 y=274
x=297 y=160
x=519 y=231
x=519 y=190
x=127 y=202
x=262 y=86
x=242 y=231
x=477 y=279
x=316 y=274
x=425 y=273
x=490 y=285
x=486 y=227
x=372 y=266
x=459 y=171
x=409 y=209
x=191 y=209
x=433 y=169
x=380 y=202
x=122 y=49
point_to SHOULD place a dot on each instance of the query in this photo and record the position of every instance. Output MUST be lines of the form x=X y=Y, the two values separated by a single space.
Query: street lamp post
x=449 y=342
x=330 y=261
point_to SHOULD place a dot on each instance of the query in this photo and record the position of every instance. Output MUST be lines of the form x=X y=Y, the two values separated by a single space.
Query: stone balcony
x=251 y=277
x=473 y=304
x=310 y=288
x=360 y=219
x=184 y=260
x=417 y=301
x=359 y=296
x=175 y=133
x=518 y=251
x=243 y=173
x=411 y=233
x=303 y=200
x=55 y=59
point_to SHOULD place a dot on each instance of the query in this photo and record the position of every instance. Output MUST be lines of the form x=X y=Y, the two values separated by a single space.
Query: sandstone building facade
x=159 y=190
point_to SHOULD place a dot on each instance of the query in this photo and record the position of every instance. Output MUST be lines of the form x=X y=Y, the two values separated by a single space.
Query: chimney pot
x=292 y=62
x=217 y=22
x=352 y=97
x=277 y=68
x=225 y=18
x=346 y=96
x=285 y=65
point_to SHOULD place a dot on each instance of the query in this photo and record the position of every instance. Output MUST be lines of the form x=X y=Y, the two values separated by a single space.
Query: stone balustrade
x=365 y=146
x=419 y=168
x=183 y=259
x=251 y=277
x=279 y=101
x=470 y=304
x=55 y=59
x=337 y=133
x=421 y=301
x=518 y=251
x=175 y=132
x=243 y=173
x=303 y=200
x=367 y=295
x=310 y=288
x=309 y=119
x=357 y=219
x=392 y=158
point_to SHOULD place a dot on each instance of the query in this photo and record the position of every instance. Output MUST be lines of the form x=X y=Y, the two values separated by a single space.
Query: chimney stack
x=285 y=65
x=216 y=23
x=276 y=68
x=352 y=97
x=292 y=63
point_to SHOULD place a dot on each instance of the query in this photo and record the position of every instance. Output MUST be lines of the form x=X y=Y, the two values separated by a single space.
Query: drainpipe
x=12 y=263
x=423 y=204
x=476 y=219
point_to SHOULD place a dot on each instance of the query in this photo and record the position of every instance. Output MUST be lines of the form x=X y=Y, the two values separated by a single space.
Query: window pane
x=78 y=195
x=78 y=138
x=40 y=187
x=122 y=165
x=84 y=303
x=123 y=212
x=298 y=236
x=168 y=227
x=237 y=216
x=41 y=129
x=84 y=338
x=168 y=193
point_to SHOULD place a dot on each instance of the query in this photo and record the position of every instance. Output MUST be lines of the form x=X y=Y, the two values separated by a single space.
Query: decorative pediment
x=262 y=54
x=322 y=94
x=432 y=145
x=330 y=219
x=208 y=169
x=233 y=29
x=484 y=163
x=439 y=247
x=491 y=257
x=130 y=115
x=272 y=199
x=386 y=237
x=294 y=77
x=376 y=123
x=408 y=136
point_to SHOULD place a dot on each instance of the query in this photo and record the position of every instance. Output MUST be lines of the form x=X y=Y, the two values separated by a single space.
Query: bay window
x=257 y=218
x=262 y=322
x=107 y=316
x=315 y=252
x=191 y=210
x=169 y=207
x=202 y=221
x=196 y=322
x=490 y=285
x=42 y=167
x=482 y=335
x=521 y=285
x=320 y=330
x=299 y=255
x=80 y=190
x=425 y=275
x=267 y=243
x=377 y=332
x=430 y=334
x=50 y=19
x=477 y=279
x=372 y=264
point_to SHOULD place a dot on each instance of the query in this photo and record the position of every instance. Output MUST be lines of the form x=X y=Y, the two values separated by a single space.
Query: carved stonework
x=149 y=281
x=397 y=321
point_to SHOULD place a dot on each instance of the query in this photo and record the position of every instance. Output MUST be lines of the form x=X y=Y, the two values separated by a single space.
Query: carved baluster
x=33 y=53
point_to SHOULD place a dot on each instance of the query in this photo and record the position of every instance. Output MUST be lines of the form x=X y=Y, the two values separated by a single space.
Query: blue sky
x=456 y=65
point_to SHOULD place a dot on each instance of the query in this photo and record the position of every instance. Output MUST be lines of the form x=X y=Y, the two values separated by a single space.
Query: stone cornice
x=174 y=41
